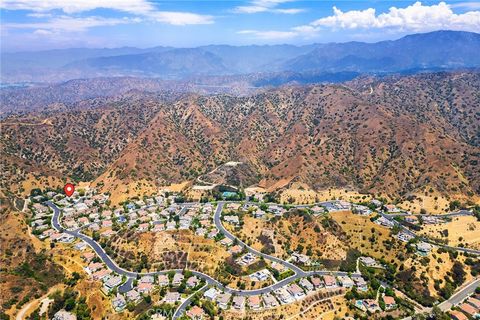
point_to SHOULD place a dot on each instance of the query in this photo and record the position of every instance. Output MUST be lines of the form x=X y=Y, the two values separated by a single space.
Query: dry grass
x=432 y=202
x=360 y=229
x=462 y=231
x=294 y=231
x=437 y=268
x=303 y=195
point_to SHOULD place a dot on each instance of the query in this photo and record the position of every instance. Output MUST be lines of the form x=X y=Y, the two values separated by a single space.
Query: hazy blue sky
x=45 y=24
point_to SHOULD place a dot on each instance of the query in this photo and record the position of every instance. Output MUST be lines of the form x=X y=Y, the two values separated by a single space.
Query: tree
x=458 y=273
x=438 y=314
x=454 y=205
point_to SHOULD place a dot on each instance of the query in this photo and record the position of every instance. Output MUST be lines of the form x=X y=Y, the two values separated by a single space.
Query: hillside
x=27 y=271
x=393 y=136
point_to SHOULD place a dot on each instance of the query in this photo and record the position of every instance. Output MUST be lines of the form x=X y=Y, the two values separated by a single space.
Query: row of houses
x=284 y=295
x=468 y=309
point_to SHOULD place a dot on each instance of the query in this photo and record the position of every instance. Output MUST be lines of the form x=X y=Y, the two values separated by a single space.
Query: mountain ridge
x=437 y=49
x=390 y=136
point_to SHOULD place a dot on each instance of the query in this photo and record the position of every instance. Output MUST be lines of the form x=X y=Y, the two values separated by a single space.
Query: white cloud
x=68 y=24
x=257 y=6
x=467 y=5
x=42 y=32
x=141 y=8
x=39 y=15
x=414 y=18
x=269 y=35
x=180 y=18
x=75 y=6
x=289 y=11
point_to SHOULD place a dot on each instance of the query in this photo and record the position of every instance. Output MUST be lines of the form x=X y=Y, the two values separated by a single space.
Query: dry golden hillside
x=394 y=136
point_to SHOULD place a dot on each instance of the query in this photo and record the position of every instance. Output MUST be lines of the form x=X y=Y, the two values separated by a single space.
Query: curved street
x=299 y=273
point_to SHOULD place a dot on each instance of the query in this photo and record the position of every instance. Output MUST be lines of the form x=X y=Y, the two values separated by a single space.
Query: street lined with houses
x=296 y=286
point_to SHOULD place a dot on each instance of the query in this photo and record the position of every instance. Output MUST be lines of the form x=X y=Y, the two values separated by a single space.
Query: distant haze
x=440 y=50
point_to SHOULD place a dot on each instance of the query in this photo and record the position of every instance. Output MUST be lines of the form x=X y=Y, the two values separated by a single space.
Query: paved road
x=425 y=239
x=456 y=298
x=209 y=280
x=460 y=295
x=444 y=215
x=299 y=273
x=183 y=306
x=221 y=228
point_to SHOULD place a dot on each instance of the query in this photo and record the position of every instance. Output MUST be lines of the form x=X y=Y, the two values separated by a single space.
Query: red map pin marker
x=69 y=189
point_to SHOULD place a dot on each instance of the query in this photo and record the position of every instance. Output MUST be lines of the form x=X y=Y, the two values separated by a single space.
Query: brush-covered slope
x=393 y=136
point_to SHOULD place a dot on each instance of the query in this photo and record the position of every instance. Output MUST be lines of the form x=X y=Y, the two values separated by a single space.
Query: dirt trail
x=32 y=305
x=47 y=122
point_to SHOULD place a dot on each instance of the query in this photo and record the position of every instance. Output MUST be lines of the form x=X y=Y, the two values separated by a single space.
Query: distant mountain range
x=440 y=50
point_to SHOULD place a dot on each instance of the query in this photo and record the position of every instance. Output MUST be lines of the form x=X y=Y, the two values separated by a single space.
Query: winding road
x=414 y=234
x=298 y=272
x=131 y=275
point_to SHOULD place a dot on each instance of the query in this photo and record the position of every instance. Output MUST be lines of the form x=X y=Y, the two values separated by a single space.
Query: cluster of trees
x=67 y=300
x=350 y=262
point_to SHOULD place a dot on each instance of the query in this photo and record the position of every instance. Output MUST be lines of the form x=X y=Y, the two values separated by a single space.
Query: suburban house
x=195 y=313
x=145 y=287
x=238 y=302
x=172 y=297
x=424 y=248
x=64 y=315
x=283 y=295
x=177 y=279
x=269 y=301
x=211 y=294
x=371 y=305
x=100 y=274
x=345 y=281
x=133 y=296
x=295 y=291
x=147 y=279
x=192 y=282
x=223 y=299
x=469 y=310
x=329 y=281
x=474 y=302
x=254 y=302
x=119 y=303
x=226 y=242
x=236 y=249
x=360 y=283
x=389 y=302
x=307 y=285
x=112 y=282
x=317 y=282
x=163 y=280
x=457 y=315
